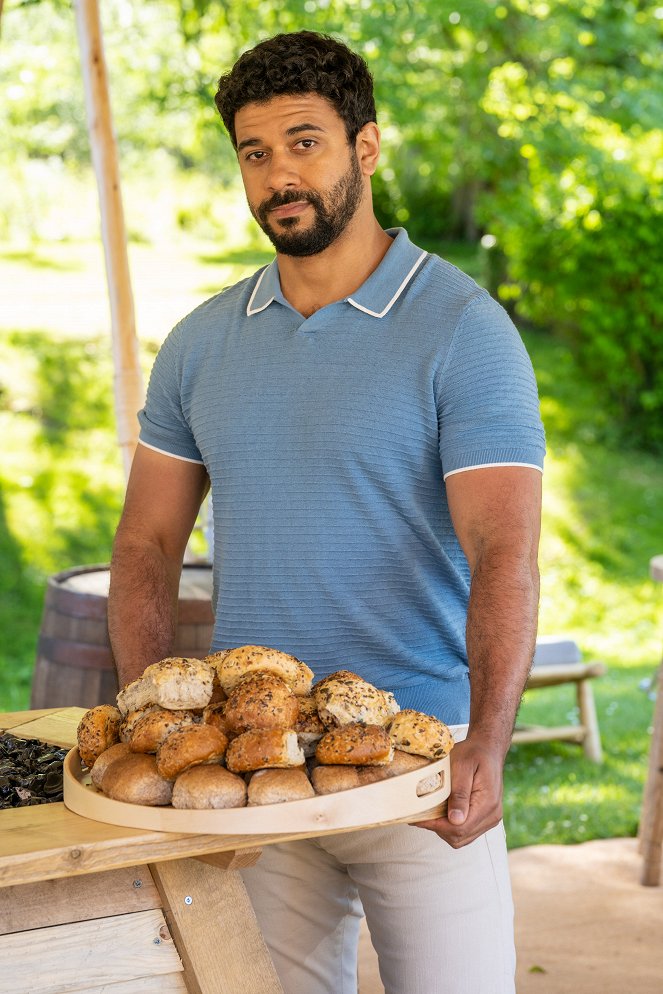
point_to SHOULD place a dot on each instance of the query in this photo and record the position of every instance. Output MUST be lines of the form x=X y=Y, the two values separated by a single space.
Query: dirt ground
x=584 y=923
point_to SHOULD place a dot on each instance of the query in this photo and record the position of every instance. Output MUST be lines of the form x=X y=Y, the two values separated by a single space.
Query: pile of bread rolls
x=246 y=726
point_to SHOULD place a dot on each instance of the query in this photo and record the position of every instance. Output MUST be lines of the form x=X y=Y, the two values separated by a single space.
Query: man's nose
x=283 y=173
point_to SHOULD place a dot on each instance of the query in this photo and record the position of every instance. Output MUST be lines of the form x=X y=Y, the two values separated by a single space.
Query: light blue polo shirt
x=327 y=441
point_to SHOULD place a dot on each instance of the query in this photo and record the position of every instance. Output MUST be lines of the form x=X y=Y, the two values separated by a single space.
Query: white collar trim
x=250 y=310
x=381 y=314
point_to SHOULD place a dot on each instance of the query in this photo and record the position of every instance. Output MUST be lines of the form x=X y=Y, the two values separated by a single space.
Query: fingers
x=458 y=836
x=458 y=805
x=475 y=801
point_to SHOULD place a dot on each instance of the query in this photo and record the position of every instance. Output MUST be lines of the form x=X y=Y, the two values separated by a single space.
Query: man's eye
x=307 y=142
x=255 y=156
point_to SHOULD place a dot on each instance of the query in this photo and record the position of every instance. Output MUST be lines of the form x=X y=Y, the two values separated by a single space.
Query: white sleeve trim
x=492 y=465
x=163 y=452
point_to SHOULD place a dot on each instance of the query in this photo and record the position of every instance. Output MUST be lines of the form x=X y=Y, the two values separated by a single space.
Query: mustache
x=289 y=197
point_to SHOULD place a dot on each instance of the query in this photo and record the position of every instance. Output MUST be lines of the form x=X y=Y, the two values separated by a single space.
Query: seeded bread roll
x=98 y=730
x=176 y=683
x=233 y=664
x=344 y=698
x=134 y=779
x=355 y=745
x=421 y=734
x=308 y=726
x=214 y=714
x=218 y=693
x=150 y=730
x=190 y=746
x=209 y=787
x=105 y=761
x=216 y=658
x=264 y=748
x=402 y=762
x=275 y=786
x=330 y=779
x=261 y=700
x=130 y=720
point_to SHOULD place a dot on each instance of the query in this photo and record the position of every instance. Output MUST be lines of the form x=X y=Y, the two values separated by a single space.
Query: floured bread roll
x=308 y=726
x=150 y=731
x=264 y=748
x=105 y=761
x=134 y=779
x=329 y=779
x=209 y=787
x=190 y=746
x=355 y=745
x=177 y=683
x=421 y=734
x=233 y=664
x=343 y=698
x=98 y=730
x=261 y=700
x=275 y=786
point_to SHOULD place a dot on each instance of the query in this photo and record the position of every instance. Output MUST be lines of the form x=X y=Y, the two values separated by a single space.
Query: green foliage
x=161 y=88
x=577 y=219
x=598 y=285
x=60 y=484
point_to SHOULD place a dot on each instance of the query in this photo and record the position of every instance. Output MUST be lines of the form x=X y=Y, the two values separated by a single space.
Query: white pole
x=128 y=381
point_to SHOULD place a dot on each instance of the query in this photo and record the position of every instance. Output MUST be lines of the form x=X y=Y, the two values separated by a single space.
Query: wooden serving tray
x=383 y=803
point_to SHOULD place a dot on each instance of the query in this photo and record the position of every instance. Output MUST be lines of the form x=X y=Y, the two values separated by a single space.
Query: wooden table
x=90 y=907
x=651 y=822
x=85 y=905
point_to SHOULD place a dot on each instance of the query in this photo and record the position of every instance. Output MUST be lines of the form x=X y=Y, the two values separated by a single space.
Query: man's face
x=303 y=181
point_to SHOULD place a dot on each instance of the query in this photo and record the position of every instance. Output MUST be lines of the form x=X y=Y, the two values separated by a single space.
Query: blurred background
x=522 y=141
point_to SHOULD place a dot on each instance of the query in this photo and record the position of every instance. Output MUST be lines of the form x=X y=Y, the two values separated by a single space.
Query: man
x=368 y=419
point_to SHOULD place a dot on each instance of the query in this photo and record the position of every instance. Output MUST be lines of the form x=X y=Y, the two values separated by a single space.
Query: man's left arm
x=496 y=513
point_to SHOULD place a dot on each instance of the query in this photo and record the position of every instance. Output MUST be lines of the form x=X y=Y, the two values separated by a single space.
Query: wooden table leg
x=215 y=929
x=651 y=822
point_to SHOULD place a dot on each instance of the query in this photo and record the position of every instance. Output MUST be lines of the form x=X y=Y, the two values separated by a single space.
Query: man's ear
x=367 y=147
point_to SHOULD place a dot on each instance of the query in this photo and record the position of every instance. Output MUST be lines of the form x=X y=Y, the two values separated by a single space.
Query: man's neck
x=311 y=282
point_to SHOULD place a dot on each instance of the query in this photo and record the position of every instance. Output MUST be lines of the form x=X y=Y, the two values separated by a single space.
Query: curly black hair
x=299 y=62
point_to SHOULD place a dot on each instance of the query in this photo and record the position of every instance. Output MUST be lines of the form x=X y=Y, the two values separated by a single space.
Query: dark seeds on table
x=30 y=772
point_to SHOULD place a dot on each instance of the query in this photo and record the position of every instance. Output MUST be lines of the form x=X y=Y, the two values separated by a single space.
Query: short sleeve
x=486 y=394
x=163 y=425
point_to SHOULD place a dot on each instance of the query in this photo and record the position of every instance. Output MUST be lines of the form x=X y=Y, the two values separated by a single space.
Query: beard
x=333 y=213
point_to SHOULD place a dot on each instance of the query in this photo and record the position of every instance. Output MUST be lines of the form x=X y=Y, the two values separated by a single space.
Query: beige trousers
x=440 y=919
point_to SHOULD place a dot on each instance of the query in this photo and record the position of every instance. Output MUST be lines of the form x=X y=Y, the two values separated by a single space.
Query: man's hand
x=475 y=802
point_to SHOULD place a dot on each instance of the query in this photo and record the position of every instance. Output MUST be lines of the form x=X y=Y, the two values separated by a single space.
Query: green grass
x=61 y=490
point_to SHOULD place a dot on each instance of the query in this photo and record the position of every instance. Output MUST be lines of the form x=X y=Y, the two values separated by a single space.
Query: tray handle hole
x=430 y=783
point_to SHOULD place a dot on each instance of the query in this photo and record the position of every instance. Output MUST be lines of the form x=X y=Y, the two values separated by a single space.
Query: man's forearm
x=142 y=606
x=501 y=635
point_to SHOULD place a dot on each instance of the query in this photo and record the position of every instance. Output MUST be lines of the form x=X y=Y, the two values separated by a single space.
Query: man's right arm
x=163 y=498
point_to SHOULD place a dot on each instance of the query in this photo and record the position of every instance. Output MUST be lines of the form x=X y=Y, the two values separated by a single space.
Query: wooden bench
x=558 y=660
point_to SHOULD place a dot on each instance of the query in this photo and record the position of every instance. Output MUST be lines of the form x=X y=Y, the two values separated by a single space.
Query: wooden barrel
x=74 y=663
